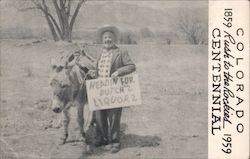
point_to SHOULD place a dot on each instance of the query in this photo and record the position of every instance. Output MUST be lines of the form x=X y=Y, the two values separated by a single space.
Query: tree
x=62 y=26
x=192 y=27
x=127 y=37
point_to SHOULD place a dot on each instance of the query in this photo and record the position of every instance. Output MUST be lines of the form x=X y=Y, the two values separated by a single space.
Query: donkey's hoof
x=88 y=150
x=63 y=139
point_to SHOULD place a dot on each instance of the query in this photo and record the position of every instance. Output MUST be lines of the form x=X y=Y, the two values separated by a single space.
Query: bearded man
x=113 y=62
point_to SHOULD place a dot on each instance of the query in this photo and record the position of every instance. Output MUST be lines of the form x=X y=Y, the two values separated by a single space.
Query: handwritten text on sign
x=106 y=93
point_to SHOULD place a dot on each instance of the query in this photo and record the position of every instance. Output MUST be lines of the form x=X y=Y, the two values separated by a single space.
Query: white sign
x=106 y=93
x=228 y=97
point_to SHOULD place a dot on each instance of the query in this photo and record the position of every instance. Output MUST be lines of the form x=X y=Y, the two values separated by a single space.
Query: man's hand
x=92 y=73
x=115 y=74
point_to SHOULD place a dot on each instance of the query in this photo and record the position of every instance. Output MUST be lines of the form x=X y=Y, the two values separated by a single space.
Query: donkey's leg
x=66 y=120
x=80 y=120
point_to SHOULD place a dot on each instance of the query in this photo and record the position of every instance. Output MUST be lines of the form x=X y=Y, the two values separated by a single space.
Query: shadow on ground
x=133 y=140
x=128 y=141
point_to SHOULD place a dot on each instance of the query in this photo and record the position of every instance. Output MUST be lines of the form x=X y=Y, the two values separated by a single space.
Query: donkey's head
x=68 y=78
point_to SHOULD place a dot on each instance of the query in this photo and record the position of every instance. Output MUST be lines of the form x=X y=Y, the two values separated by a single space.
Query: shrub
x=146 y=33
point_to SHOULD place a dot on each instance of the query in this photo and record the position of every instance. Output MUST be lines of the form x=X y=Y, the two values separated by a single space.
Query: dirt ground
x=171 y=122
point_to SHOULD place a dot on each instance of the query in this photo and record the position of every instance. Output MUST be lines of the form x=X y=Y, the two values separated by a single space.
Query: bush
x=190 y=25
x=146 y=33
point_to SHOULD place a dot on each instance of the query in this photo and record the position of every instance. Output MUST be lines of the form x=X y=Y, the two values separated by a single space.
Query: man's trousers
x=108 y=124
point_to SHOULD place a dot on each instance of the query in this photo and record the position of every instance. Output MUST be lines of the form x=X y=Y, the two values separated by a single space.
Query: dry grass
x=171 y=123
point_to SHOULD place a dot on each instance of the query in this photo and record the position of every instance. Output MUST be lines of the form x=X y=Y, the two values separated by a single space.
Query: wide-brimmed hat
x=111 y=29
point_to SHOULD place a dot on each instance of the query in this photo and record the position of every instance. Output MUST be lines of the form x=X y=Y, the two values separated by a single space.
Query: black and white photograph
x=100 y=79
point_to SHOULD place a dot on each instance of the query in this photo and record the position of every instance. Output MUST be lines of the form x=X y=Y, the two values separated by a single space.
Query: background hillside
x=127 y=17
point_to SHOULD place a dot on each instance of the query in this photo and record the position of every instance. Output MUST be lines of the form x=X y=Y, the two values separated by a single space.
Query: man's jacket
x=120 y=62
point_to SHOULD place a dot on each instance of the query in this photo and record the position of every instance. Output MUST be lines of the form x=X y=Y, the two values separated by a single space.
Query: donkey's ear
x=54 y=67
x=53 y=82
x=83 y=52
x=53 y=64
x=71 y=58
